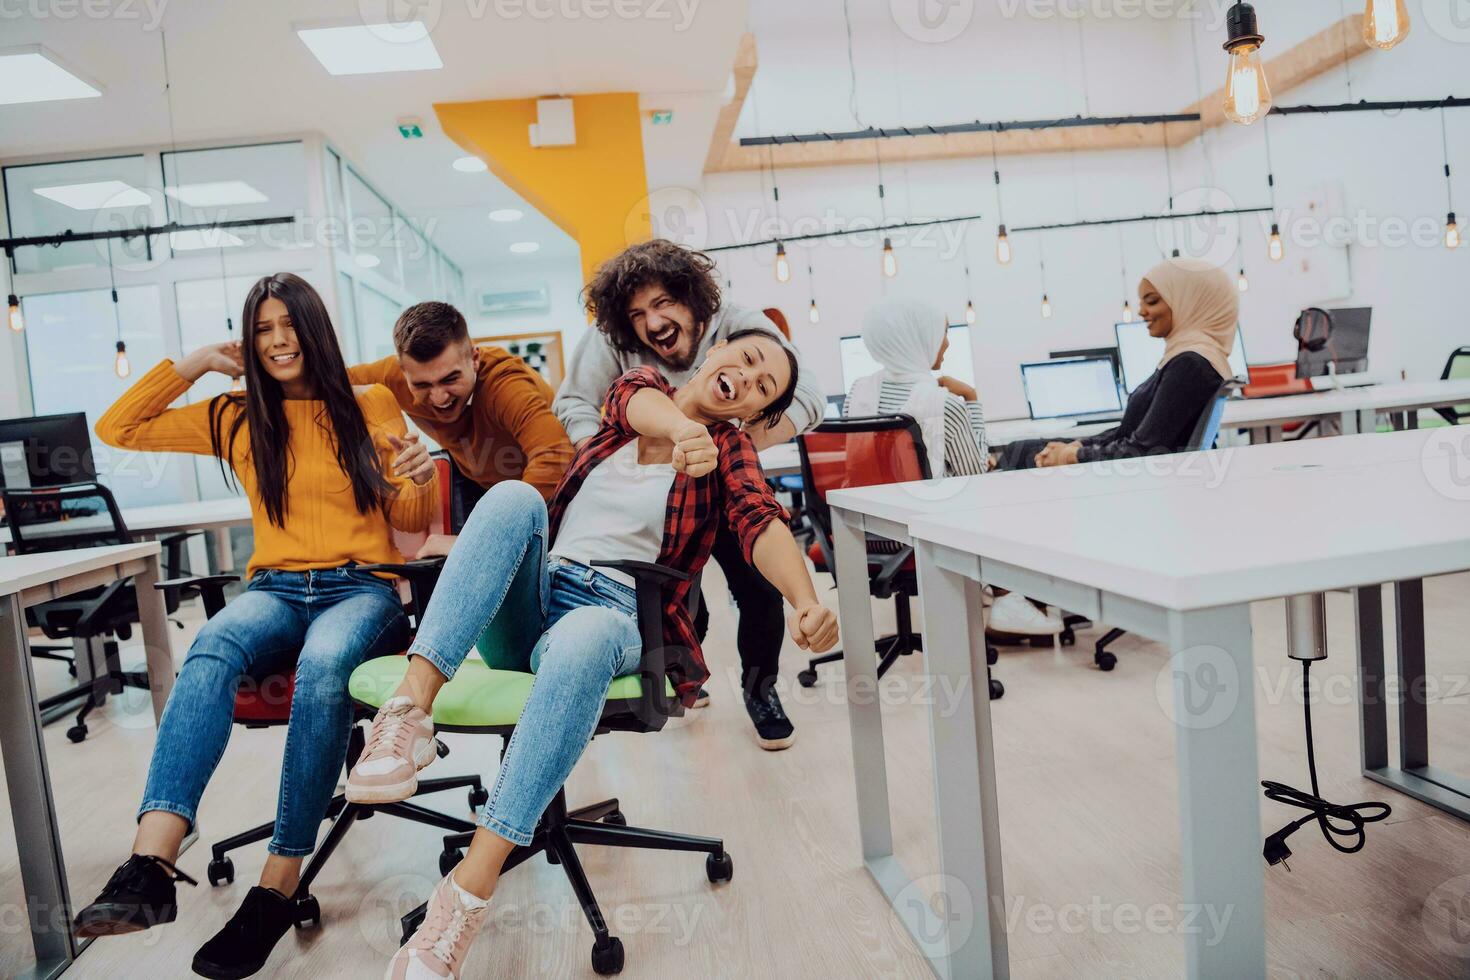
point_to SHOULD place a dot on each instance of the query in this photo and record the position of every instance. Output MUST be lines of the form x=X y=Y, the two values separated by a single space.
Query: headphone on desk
x=1313 y=329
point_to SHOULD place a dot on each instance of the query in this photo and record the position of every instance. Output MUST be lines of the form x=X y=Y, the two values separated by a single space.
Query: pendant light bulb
x=969 y=311
x=1273 y=247
x=1451 y=232
x=1002 y=247
x=120 y=364
x=1046 y=307
x=1385 y=23
x=1127 y=312
x=1241 y=282
x=813 y=315
x=890 y=261
x=17 y=320
x=783 y=267
x=1247 y=96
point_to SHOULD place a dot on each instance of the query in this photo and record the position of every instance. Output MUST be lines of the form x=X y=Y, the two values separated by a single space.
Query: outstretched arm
x=778 y=558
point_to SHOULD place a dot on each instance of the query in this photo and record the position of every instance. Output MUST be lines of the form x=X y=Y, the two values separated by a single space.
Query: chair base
x=1101 y=655
x=93 y=692
x=556 y=835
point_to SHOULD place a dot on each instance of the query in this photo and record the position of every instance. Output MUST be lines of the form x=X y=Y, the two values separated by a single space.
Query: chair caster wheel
x=616 y=818
x=719 y=868
x=991 y=654
x=1069 y=638
x=997 y=690
x=478 y=797
x=221 y=871
x=71 y=669
x=308 y=912
x=807 y=678
x=1105 y=660
x=440 y=749
x=448 y=859
x=77 y=733
x=607 y=956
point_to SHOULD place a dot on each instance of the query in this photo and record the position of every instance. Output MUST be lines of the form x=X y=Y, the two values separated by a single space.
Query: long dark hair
x=262 y=403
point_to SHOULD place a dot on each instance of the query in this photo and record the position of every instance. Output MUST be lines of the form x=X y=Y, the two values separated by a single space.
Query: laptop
x=1083 y=390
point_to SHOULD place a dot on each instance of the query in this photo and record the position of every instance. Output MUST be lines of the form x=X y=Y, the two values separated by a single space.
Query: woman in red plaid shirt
x=665 y=468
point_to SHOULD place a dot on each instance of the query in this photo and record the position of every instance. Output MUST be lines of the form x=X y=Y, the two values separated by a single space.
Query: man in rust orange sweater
x=483 y=405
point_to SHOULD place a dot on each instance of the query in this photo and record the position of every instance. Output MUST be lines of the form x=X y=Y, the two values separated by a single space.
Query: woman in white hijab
x=909 y=338
x=1193 y=307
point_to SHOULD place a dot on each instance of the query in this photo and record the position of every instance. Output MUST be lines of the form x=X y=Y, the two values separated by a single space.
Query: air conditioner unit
x=530 y=299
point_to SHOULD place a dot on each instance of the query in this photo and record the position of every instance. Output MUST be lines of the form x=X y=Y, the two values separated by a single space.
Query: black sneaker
x=241 y=948
x=773 y=730
x=139 y=895
x=702 y=698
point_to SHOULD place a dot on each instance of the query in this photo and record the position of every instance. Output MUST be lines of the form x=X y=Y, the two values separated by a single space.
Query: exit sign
x=411 y=129
x=662 y=117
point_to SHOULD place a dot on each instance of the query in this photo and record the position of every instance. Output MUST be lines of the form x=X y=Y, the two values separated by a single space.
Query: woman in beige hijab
x=1193 y=307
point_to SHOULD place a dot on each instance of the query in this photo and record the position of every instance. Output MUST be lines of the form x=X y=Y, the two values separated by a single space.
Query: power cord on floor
x=1352 y=818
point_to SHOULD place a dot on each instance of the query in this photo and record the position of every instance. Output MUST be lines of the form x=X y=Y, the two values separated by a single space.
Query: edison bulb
x=1247 y=96
x=1046 y=307
x=969 y=311
x=812 y=313
x=1385 y=23
x=1002 y=247
x=17 y=320
x=1451 y=232
x=890 y=261
x=1274 y=247
x=120 y=364
x=1241 y=282
x=783 y=267
x=1127 y=312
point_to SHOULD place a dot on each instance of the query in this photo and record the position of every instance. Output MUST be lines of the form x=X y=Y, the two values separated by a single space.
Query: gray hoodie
x=595 y=365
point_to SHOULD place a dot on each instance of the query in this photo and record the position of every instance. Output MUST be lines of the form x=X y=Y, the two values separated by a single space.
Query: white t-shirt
x=617 y=514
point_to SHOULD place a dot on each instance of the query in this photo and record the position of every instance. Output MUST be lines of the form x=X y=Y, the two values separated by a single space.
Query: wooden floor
x=1088 y=816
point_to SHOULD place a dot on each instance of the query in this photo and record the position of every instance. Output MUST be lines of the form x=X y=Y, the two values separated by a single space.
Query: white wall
x=563 y=279
x=1387 y=167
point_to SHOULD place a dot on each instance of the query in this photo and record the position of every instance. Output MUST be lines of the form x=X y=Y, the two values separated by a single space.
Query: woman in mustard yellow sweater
x=329 y=471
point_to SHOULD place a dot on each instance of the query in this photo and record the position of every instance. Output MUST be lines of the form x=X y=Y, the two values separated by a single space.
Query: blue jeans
x=324 y=623
x=573 y=627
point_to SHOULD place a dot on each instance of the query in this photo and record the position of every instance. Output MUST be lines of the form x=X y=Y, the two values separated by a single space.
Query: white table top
x=21 y=572
x=197 y=515
x=780 y=459
x=1365 y=512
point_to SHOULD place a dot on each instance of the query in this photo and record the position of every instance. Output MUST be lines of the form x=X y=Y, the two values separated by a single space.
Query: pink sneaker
x=437 y=950
x=400 y=743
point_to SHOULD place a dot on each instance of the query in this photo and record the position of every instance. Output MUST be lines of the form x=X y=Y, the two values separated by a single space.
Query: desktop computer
x=1346 y=351
x=858 y=363
x=45 y=451
x=1083 y=389
x=1111 y=353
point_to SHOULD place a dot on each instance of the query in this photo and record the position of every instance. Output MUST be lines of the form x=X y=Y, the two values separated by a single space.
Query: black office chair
x=1458 y=366
x=85 y=515
x=1203 y=437
x=481 y=700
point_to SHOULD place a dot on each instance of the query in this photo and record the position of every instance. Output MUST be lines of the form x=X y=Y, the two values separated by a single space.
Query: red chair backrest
x=1275 y=379
x=859 y=452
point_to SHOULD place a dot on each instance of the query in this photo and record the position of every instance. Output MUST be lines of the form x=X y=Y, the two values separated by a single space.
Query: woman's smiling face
x=1154 y=311
x=275 y=343
x=741 y=378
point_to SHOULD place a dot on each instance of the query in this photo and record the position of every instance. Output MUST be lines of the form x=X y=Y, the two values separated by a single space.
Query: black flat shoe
x=773 y=730
x=241 y=948
x=139 y=895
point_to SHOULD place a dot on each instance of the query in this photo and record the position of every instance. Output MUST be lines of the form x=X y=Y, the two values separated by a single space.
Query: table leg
x=1413 y=712
x=224 y=551
x=1223 y=884
x=32 y=808
x=156 y=646
x=1373 y=705
x=967 y=937
x=860 y=664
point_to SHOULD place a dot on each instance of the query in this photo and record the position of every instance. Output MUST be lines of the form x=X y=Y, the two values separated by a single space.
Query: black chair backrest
x=1208 y=426
x=78 y=515
x=1458 y=366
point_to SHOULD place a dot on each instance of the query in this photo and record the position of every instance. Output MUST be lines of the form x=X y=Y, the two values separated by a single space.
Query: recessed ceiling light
x=367 y=260
x=506 y=214
x=469 y=165
x=197 y=238
x=524 y=248
x=32 y=74
x=216 y=195
x=366 y=49
x=95 y=195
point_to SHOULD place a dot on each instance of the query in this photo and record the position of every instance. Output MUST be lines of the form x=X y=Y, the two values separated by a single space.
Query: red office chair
x=267 y=703
x=1271 y=380
x=864 y=452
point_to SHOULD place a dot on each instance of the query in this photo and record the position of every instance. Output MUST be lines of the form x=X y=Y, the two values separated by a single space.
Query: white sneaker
x=1014 y=613
x=437 y=950
x=400 y=743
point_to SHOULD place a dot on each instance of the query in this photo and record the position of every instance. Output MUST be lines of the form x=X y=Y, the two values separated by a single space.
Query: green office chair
x=483 y=700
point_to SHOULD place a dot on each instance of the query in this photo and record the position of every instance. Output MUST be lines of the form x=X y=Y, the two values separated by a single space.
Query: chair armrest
x=210 y=587
x=422 y=575
x=654 y=707
x=172 y=545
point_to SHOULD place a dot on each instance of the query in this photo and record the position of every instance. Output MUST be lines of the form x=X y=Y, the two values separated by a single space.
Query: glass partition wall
x=180 y=290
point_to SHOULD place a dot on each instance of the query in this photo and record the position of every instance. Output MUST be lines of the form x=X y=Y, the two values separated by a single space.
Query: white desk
x=1072 y=536
x=26 y=580
x=158 y=520
x=780 y=459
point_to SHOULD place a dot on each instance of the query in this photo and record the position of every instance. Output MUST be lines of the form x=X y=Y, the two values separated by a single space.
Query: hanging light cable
x=1041 y=260
x=812 y=313
x=1123 y=265
x=1274 y=248
x=1385 y=23
x=1247 y=96
x=1002 y=243
x=783 y=267
x=120 y=365
x=1241 y=282
x=890 y=261
x=237 y=383
x=969 y=296
x=1451 y=230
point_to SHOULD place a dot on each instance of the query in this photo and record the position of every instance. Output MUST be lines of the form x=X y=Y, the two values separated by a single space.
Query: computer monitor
x=45 y=451
x=1062 y=389
x=1347 y=345
x=1109 y=352
x=858 y=363
x=834 y=406
x=1139 y=354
